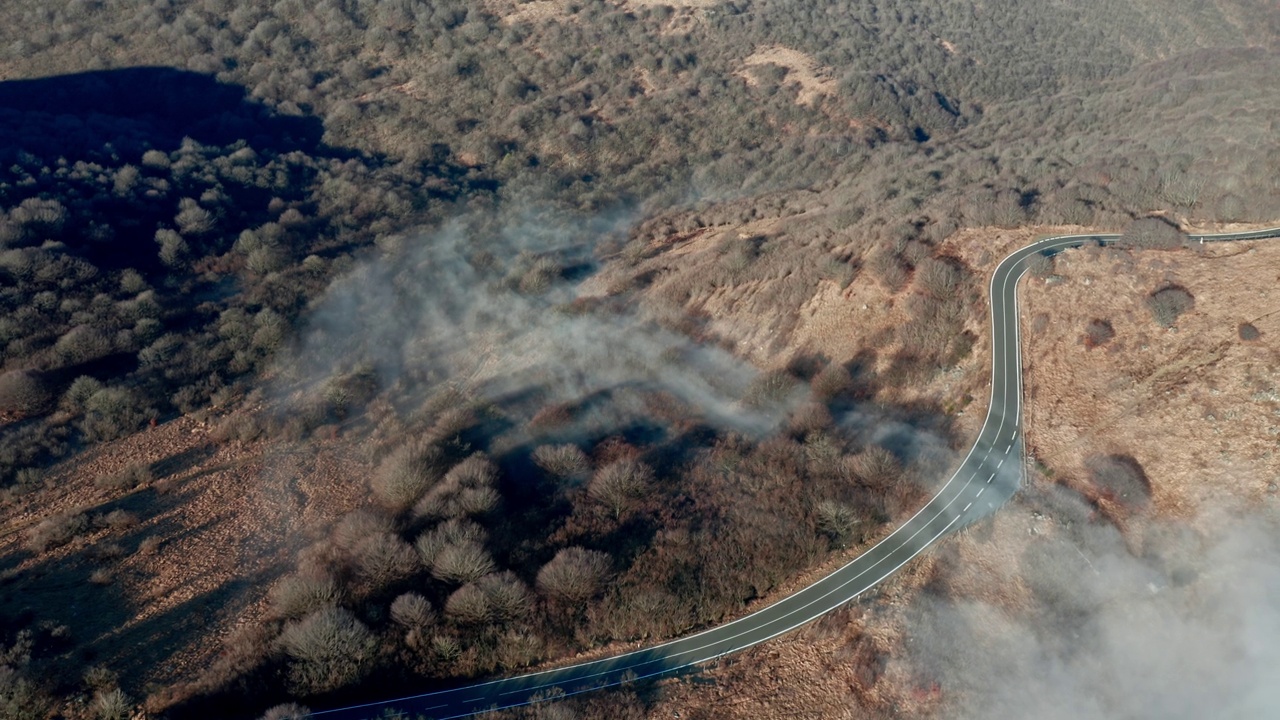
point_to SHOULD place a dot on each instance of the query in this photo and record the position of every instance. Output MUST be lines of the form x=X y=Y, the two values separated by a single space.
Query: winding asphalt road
x=988 y=476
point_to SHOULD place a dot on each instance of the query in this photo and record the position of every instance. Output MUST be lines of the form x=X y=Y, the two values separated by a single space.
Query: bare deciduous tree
x=574 y=575
x=619 y=483
x=330 y=648
x=412 y=611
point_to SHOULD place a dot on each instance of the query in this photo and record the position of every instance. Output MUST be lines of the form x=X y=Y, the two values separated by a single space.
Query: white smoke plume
x=486 y=304
x=1185 y=626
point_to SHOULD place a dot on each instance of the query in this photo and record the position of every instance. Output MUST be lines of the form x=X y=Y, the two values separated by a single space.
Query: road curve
x=985 y=480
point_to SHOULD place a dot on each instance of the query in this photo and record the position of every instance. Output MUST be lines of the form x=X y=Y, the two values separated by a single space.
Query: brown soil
x=227 y=519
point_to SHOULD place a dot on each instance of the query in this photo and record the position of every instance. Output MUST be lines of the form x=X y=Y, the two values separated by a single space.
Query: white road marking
x=966 y=507
x=980 y=491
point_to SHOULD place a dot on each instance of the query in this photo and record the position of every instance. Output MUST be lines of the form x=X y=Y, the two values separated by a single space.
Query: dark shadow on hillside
x=136 y=109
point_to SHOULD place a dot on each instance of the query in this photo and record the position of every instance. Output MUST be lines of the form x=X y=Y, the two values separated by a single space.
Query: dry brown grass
x=1195 y=405
x=815 y=81
x=231 y=518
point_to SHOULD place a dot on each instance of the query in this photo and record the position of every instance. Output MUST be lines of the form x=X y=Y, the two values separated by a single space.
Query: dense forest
x=302 y=220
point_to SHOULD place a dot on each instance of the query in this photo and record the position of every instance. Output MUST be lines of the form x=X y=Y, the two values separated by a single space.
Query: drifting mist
x=1183 y=626
x=494 y=307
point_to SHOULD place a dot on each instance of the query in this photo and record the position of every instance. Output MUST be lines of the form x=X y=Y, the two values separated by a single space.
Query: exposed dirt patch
x=815 y=80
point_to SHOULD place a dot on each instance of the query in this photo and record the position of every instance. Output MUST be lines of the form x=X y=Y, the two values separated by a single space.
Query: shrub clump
x=1153 y=233
x=1097 y=333
x=56 y=530
x=112 y=413
x=407 y=473
x=619 y=483
x=330 y=649
x=1120 y=478
x=128 y=478
x=1167 y=304
x=295 y=596
x=1248 y=331
x=561 y=461
x=412 y=612
x=466 y=490
x=574 y=575
x=24 y=392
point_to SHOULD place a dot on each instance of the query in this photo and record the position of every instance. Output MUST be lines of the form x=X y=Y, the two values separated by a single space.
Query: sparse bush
x=450 y=532
x=1097 y=333
x=407 y=473
x=289 y=711
x=295 y=596
x=1248 y=332
x=832 y=382
x=938 y=277
x=1041 y=265
x=56 y=530
x=20 y=698
x=128 y=478
x=118 y=519
x=352 y=528
x=876 y=467
x=100 y=678
x=330 y=649
x=462 y=562
x=468 y=605
x=77 y=395
x=837 y=521
x=24 y=392
x=238 y=426
x=465 y=490
x=769 y=388
x=561 y=461
x=412 y=611
x=519 y=649
x=574 y=575
x=1121 y=478
x=1168 y=303
x=112 y=705
x=1154 y=233
x=111 y=413
x=619 y=483
x=149 y=546
x=809 y=418
x=888 y=269
x=509 y=598
x=384 y=558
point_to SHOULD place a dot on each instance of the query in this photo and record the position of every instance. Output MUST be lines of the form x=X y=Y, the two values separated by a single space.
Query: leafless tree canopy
x=574 y=575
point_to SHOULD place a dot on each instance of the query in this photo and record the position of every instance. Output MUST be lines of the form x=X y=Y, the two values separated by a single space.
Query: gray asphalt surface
x=989 y=475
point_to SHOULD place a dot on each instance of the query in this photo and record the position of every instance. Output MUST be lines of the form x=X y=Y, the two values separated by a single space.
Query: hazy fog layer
x=485 y=305
x=1189 y=627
